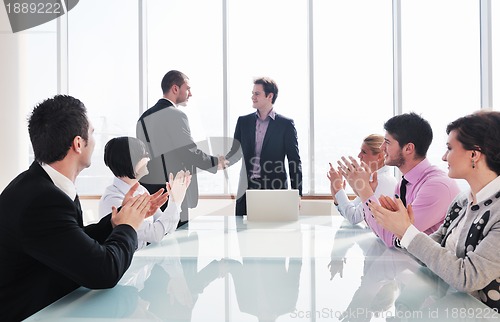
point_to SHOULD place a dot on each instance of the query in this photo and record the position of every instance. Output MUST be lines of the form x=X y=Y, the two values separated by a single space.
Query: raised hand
x=337 y=182
x=357 y=175
x=130 y=194
x=396 y=221
x=176 y=187
x=158 y=199
x=336 y=266
x=132 y=212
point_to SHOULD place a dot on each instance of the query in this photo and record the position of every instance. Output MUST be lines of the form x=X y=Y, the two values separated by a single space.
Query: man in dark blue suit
x=264 y=138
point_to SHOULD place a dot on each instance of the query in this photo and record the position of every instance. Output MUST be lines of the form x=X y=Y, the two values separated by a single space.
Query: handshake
x=223 y=163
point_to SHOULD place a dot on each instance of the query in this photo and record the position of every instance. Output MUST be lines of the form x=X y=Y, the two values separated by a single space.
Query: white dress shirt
x=353 y=210
x=61 y=181
x=154 y=228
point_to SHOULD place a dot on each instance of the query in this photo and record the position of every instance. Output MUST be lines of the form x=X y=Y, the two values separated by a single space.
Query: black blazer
x=165 y=130
x=280 y=141
x=45 y=252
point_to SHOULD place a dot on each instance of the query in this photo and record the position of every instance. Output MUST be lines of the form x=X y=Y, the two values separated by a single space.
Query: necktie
x=402 y=190
x=79 y=210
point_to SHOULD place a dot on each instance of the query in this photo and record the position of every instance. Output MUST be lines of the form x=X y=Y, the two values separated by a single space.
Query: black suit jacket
x=165 y=130
x=280 y=141
x=45 y=252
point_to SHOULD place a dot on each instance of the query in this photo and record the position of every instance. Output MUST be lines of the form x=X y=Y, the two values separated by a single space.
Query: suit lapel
x=251 y=131
x=37 y=169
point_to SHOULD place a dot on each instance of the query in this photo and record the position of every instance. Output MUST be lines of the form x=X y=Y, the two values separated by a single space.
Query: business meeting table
x=225 y=268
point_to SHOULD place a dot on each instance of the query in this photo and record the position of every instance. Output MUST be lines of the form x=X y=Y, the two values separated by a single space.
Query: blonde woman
x=371 y=155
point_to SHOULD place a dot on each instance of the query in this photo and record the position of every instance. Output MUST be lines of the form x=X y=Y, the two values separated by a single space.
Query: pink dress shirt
x=430 y=192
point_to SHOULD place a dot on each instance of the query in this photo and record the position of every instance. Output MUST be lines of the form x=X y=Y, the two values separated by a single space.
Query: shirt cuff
x=341 y=197
x=410 y=233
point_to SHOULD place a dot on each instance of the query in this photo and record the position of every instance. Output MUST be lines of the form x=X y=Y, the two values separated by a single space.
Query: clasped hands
x=223 y=163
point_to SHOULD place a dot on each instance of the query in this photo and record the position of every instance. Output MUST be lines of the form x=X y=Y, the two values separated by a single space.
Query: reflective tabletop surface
x=319 y=268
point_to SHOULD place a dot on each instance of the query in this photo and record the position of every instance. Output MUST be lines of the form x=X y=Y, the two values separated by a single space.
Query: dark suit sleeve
x=292 y=154
x=101 y=230
x=235 y=154
x=52 y=236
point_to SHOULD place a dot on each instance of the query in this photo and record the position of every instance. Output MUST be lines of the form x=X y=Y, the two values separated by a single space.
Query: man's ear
x=77 y=144
x=409 y=147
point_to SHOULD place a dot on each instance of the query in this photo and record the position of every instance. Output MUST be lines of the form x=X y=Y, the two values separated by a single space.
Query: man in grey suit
x=264 y=138
x=165 y=131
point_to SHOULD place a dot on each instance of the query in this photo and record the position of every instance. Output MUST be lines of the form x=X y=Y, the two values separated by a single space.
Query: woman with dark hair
x=464 y=251
x=128 y=159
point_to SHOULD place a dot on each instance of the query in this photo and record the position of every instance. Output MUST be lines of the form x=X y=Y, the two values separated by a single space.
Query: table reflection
x=317 y=269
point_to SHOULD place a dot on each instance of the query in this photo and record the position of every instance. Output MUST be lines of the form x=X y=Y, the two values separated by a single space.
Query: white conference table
x=223 y=268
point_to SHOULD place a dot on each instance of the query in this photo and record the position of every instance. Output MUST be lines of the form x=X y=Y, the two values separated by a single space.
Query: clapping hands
x=177 y=187
x=392 y=215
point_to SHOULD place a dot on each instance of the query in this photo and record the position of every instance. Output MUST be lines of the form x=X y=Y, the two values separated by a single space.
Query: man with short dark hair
x=45 y=250
x=425 y=187
x=165 y=130
x=264 y=138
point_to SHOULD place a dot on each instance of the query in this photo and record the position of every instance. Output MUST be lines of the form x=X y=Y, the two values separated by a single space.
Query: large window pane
x=441 y=75
x=37 y=69
x=353 y=78
x=269 y=38
x=495 y=37
x=186 y=35
x=103 y=73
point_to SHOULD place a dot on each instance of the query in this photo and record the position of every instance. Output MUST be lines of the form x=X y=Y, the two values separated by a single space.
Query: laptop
x=272 y=205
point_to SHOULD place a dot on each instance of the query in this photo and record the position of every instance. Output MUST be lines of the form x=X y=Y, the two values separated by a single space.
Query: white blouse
x=154 y=228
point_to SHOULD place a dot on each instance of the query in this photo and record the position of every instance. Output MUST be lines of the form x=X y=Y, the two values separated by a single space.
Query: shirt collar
x=272 y=114
x=124 y=187
x=175 y=105
x=121 y=185
x=414 y=174
x=489 y=190
x=384 y=169
x=61 y=181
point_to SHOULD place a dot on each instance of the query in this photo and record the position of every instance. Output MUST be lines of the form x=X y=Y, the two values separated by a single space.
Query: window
x=495 y=37
x=263 y=42
x=103 y=74
x=441 y=71
x=190 y=41
x=332 y=60
x=353 y=79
